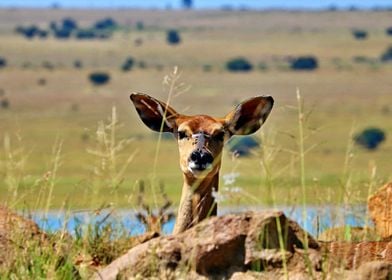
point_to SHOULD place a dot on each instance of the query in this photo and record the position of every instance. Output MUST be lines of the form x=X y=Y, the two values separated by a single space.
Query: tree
x=187 y=4
x=173 y=37
x=239 y=65
x=304 y=63
x=370 y=138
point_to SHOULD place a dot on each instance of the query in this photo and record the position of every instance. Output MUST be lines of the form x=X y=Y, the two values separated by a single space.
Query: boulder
x=15 y=232
x=380 y=210
x=222 y=246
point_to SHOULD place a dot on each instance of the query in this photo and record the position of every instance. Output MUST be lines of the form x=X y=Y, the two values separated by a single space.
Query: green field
x=62 y=114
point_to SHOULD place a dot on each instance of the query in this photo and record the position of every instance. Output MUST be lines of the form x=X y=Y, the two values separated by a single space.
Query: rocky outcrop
x=221 y=246
x=380 y=210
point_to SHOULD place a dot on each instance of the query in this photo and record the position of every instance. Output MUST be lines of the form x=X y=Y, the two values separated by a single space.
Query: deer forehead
x=202 y=123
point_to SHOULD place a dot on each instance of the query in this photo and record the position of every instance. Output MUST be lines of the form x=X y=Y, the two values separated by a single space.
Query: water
x=318 y=218
x=198 y=4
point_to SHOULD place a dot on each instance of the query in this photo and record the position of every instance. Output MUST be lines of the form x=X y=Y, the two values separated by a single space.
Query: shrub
x=304 y=63
x=99 y=78
x=78 y=64
x=4 y=103
x=3 y=62
x=106 y=23
x=69 y=23
x=85 y=34
x=387 y=55
x=139 y=25
x=128 y=64
x=359 y=34
x=173 y=37
x=29 y=32
x=243 y=145
x=187 y=4
x=370 y=138
x=239 y=65
x=62 y=33
x=388 y=31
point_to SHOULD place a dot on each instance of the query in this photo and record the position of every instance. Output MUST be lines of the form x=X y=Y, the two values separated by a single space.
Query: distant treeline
x=68 y=27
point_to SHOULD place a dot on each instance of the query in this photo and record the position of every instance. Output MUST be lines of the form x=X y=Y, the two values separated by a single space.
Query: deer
x=153 y=221
x=200 y=139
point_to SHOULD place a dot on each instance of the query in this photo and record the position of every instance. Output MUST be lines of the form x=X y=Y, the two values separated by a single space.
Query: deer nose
x=200 y=160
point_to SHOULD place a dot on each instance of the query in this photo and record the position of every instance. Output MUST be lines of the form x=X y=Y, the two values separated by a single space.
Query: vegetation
x=3 y=62
x=304 y=63
x=242 y=146
x=370 y=138
x=53 y=156
x=239 y=65
x=99 y=78
x=128 y=64
x=173 y=37
x=38 y=115
x=360 y=34
x=387 y=55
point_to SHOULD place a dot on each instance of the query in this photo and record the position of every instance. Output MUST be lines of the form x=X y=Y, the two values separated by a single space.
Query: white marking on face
x=200 y=140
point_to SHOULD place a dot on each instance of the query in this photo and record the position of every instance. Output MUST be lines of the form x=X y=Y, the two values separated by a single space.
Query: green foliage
x=370 y=138
x=3 y=62
x=359 y=34
x=173 y=37
x=128 y=64
x=99 y=78
x=239 y=65
x=242 y=145
x=304 y=63
x=387 y=55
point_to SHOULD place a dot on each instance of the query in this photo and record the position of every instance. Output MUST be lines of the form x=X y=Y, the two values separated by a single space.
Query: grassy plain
x=340 y=97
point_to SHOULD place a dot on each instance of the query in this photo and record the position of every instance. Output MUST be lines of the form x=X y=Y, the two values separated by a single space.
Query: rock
x=220 y=247
x=380 y=210
x=376 y=270
x=15 y=232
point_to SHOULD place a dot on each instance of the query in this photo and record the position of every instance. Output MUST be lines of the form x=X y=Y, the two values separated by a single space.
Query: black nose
x=201 y=159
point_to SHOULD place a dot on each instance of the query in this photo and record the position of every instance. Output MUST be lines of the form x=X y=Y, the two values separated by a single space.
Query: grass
x=69 y=145
x=69 y=110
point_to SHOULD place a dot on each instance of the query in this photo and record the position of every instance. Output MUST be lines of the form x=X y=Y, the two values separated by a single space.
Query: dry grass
x=336 y=97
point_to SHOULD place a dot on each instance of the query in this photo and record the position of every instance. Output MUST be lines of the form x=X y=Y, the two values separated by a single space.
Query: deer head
x=200 y=140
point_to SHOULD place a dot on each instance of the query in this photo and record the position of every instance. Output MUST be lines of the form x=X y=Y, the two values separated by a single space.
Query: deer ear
x=155 y=114
x=249 y=116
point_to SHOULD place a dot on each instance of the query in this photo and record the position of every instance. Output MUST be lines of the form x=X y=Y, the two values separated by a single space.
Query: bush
x=173 y=37
x=106 y=23
x=78 y=64
x=370 y=138
x=359 y=34
x=62 y=33
x=128 y=64
x=99 y=78
x=242 y=145
x=388 y=31
x=70 y=24
x=29 y=32
x=304 y=63
x=387 y=55
x=4 y=103
x=3 y=62
x=239 y=65
x=85 y=34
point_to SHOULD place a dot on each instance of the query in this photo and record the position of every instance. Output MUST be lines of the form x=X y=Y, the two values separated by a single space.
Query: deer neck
x=197 y=201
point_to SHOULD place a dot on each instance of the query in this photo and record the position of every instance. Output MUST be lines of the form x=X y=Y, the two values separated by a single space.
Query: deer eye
x=220 y=136
x=182 y=135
